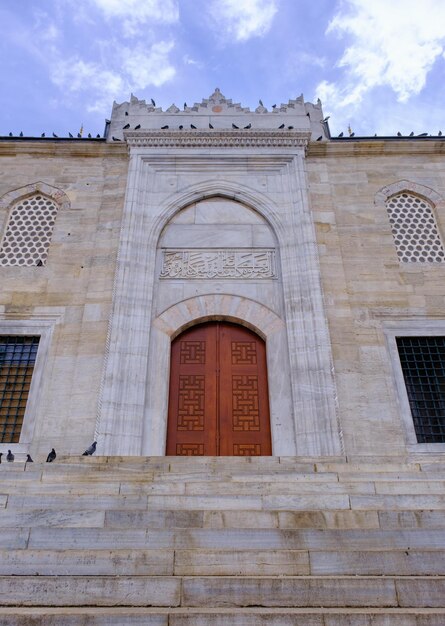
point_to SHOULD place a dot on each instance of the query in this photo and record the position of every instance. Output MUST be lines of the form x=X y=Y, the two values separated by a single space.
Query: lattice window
x=28 y=232
x=423 y=366
x=17 y=359
x=414 y=229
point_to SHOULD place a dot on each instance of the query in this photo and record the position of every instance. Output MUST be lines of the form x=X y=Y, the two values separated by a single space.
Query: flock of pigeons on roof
x=51 y=456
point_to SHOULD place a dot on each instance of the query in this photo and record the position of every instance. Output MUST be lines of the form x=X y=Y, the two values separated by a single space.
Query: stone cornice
x=62 y=148
x=375 y=147
x=218 y=139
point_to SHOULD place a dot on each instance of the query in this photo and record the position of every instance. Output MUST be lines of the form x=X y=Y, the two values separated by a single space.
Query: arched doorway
x=218 y=398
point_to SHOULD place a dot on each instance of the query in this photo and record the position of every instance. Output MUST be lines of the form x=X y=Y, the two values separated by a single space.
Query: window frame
x=43 y=328
x=410 y=328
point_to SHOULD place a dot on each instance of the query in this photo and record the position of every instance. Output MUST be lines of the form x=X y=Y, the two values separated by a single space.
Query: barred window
x=28 y=232
x=17 y=359
x=423 y=366
x=414 y=229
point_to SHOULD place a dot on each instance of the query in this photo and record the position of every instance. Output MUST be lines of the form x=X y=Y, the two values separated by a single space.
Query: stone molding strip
x=218 y=139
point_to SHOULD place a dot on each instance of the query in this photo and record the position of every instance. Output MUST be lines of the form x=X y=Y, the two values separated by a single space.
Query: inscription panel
x=224 y=264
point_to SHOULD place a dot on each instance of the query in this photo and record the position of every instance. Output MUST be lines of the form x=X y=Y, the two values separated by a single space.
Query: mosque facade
x=322 y=255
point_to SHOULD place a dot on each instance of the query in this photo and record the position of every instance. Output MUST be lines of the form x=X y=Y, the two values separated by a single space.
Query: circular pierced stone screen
x=414 y=229
x=28 y=232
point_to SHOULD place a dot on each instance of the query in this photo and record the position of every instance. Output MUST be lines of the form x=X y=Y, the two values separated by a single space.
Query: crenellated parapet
x=217 y=113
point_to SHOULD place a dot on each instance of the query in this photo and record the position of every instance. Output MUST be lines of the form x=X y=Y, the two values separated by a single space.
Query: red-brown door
x=218 y=401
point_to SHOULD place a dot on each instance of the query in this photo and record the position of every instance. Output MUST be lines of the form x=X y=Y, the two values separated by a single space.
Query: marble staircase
x=173 y=541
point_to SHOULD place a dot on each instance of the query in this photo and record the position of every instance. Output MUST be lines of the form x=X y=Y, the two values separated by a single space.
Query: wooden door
x=218 y=401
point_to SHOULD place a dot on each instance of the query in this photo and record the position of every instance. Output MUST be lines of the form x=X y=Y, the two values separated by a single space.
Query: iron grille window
x=17 y=358
x=423 y=366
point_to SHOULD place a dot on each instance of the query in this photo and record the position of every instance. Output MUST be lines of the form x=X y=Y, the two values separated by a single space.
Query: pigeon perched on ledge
x=10 y=456
x=91 y=450
x=51 y=456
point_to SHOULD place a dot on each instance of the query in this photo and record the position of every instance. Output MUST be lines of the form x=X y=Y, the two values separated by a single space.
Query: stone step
x=137 y=616
x=223 y=591
x=225 y=539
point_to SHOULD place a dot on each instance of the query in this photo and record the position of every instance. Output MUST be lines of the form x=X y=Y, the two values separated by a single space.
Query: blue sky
x=377 y=65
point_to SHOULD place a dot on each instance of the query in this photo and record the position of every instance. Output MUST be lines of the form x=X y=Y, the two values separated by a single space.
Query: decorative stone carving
x=211 y=263
x=217 y=139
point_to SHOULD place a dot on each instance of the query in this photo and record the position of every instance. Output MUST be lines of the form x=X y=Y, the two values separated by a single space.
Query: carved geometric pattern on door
x=218 y=397
x=191 y=402
x=246 y=449
x=244 y=353
x=192 y=352
x=189 y=449
x=245 y=403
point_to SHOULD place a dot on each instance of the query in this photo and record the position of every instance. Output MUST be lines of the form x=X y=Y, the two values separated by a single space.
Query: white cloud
x=137 y=69
x=137 y=13
x=243 y=19
x=393 y=44
x=148 y=67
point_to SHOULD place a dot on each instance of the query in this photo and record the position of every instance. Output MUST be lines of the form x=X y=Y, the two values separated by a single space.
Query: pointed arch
x=411 y=213
x=31 y=213
x=205 y=190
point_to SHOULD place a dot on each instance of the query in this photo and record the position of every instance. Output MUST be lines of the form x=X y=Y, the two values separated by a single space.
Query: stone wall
x=70 y=296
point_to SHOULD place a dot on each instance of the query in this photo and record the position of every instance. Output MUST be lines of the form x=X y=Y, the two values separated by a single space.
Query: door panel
x=218 y=403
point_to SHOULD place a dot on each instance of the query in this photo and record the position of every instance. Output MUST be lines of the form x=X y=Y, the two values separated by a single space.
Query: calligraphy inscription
x=213 y=263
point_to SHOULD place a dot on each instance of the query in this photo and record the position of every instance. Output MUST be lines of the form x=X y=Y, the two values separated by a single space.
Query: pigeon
x=79 y=136
x=423 y=135
x=153 y=102
x=261 y=103
x=91 y=450
x=1 y=454
x=11 y=135
x=325 y=119
x=320 y=138
x=308 y=115
x=10 y=456
x=352 y=135
x=70 y=135
x=440 y=133
x=411 y=134
x=281 y=127
x=89 y=135
x=181 y=127
x=341 y=134
x=399 y=134
x=29 y=459
x=290 y=127
x=185 y=105
x=126 y=126
x=210 y=126
x=164 y=127
x=248 y=126
x=51 y=456
x=21 y=134
x=191 y=126
x=137 y=127
x=274 y=106
x=126 y=112
x=55 y=136
x=42 y=135
x=234 y=126
x=115 y=139
x=97 y=136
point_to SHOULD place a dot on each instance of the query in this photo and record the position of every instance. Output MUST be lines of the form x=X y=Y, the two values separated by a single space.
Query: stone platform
x=172 y=541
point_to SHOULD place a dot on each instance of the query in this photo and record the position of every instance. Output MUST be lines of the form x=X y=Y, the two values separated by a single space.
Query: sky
x=378 y=66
